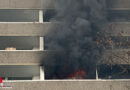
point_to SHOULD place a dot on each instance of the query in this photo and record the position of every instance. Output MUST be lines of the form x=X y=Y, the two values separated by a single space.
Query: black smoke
x=75 y=39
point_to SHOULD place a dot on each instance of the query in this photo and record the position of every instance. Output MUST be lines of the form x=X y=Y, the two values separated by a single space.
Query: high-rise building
x=22 y=31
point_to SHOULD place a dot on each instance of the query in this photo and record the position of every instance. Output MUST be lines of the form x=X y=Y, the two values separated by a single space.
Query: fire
x=80 y=74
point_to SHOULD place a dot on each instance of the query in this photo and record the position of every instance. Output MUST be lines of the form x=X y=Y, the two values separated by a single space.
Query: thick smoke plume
x=76 y=39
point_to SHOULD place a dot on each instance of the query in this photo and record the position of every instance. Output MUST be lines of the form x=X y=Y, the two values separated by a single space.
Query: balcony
x=25 y=28
x=24 y=57
x=68 y=85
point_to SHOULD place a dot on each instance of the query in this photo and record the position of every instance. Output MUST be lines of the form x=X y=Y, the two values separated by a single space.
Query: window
x=19 y=15
x=119 y=15
x=48 y=15
x=21 y=72
x=19 y=78
x=114 y=72
x=19 y=43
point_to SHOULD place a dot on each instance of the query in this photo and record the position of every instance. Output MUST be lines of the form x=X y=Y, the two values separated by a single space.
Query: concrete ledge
x=23 y=57
x=69 y=85
x=25 y=29
x=118 y=3
x=26 y=4
x=117 y=56
x=119 y=28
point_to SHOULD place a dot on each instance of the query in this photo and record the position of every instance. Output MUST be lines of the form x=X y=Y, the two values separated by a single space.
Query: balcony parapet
x=24 y=57
x=69 y=85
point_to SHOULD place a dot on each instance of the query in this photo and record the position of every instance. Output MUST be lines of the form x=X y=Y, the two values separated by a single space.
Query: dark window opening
x=19 y=43
x=19 y=78
x=19 y=15
x=114 y=72
x=119 y=15
x=20 y=72
x=48 y=15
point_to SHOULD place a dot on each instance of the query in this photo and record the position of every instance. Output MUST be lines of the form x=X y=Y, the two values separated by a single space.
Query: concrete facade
x=34 y=57
x=23 y=57
x=69 y=85
x=25 y=29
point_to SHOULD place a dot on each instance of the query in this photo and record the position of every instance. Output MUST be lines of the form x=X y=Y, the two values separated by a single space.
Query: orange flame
x=80 y=74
